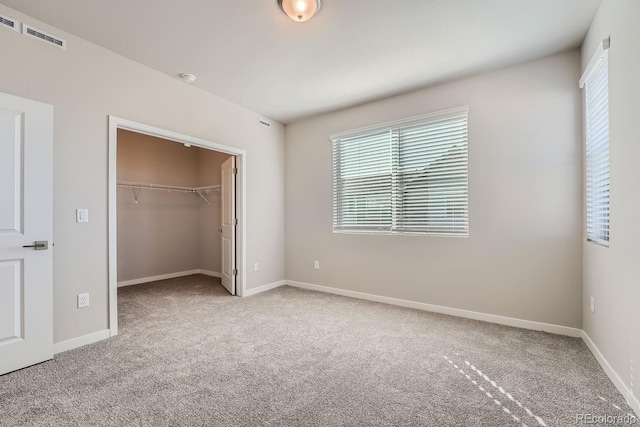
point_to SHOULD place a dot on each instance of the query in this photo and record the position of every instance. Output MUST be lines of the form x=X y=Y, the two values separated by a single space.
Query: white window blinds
x=405 y=176
x=596 y=94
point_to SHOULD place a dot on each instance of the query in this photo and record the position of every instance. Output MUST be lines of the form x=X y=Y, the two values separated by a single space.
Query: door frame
x=116 y=123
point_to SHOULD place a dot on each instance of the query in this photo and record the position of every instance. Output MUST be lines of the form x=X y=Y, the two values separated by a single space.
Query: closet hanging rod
x=201 y=191
x=147 y=186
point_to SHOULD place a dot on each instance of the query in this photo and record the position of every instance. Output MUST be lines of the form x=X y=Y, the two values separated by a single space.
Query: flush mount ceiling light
x=300 y=10
x=188 y=78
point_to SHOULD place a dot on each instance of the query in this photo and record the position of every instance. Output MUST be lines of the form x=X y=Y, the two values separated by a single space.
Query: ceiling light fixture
x=300 y=10
x=188 y=78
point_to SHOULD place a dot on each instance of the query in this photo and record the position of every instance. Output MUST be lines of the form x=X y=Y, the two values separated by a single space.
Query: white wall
x=85 y=84
x=612 y=275
x=523 y=256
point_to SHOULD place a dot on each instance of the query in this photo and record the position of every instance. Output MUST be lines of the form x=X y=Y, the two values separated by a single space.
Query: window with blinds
x=595 y=82
x=409 y=176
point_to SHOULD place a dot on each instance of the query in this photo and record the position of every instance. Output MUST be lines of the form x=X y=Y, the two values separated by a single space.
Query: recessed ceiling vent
x=45 y=37
x=9 y=22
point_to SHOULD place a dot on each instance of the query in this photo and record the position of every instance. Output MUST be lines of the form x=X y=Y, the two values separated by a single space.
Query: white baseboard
x=502 y=320
x=211 y=273
x=167 y=276
x=263 y=288
x=613 y=376
x=59 y=347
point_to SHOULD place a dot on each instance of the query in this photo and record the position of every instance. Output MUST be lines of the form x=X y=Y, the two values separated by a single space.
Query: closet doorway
x=176 y=207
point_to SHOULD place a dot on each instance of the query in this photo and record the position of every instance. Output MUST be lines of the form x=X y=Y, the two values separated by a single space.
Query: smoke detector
x=188 y=78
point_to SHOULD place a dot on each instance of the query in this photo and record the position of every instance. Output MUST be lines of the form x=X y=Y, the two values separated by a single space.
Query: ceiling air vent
x=7 y=22
x=264 y=123
x=45 y=37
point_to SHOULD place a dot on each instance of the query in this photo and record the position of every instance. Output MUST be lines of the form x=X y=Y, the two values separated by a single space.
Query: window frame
x=597 y=175
x=395 y=128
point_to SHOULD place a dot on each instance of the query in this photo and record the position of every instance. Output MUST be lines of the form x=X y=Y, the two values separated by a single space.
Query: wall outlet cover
x=83 y=300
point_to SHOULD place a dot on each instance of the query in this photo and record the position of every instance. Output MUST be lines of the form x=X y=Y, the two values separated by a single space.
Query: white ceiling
x=353 y=51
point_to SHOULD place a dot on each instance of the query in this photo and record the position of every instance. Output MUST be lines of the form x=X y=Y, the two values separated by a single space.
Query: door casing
x=116 y=123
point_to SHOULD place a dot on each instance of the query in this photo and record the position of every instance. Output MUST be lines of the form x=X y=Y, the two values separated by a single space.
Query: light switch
x=82 y=215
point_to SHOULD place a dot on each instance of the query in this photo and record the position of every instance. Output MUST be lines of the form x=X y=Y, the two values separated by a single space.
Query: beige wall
x=166 y=232
x=523 y=256
x=144 y=158
x=86 y=84
x=612 y=275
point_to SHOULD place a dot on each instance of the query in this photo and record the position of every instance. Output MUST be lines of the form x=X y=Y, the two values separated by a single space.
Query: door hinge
x=235 y=221
x=235 y=272
x=234 y=171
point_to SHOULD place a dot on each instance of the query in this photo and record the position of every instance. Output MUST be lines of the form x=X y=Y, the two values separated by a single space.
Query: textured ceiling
x=353 y=51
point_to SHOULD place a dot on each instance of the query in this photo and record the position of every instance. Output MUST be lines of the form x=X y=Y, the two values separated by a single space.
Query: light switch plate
x=82 y=215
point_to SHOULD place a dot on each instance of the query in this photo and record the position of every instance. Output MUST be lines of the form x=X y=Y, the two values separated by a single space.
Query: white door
x=26 y=284
x=228 y=192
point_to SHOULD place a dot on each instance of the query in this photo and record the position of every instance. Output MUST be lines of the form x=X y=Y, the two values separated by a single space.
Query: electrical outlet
x=316 y=265
x=256 y=267
x=83 y=300
x=593 y=305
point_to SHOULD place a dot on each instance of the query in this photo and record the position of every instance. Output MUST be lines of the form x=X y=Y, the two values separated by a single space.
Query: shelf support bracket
x=203 y=198
x=135 y=194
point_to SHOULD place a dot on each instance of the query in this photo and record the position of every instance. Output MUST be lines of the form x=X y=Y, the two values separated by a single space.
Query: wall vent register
x=45 y=37
x=10 y=23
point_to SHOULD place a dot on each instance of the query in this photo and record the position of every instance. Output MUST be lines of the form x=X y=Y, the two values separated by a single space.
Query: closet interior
x=168 y=209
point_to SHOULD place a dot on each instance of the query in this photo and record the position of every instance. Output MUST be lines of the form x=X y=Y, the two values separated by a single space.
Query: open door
x=229 y=221
x=26 y=272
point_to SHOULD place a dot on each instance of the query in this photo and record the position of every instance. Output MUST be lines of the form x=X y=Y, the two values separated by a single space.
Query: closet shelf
x=137 y=186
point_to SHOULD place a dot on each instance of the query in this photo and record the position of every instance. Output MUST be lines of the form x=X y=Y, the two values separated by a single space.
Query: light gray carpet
x=190 y=355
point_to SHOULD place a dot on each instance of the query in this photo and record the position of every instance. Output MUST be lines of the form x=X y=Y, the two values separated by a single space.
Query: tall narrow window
x=408 y=176
x=595 y=83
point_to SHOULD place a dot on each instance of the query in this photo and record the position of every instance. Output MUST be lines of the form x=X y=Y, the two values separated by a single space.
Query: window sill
x=400 y=233
x=603 y=243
